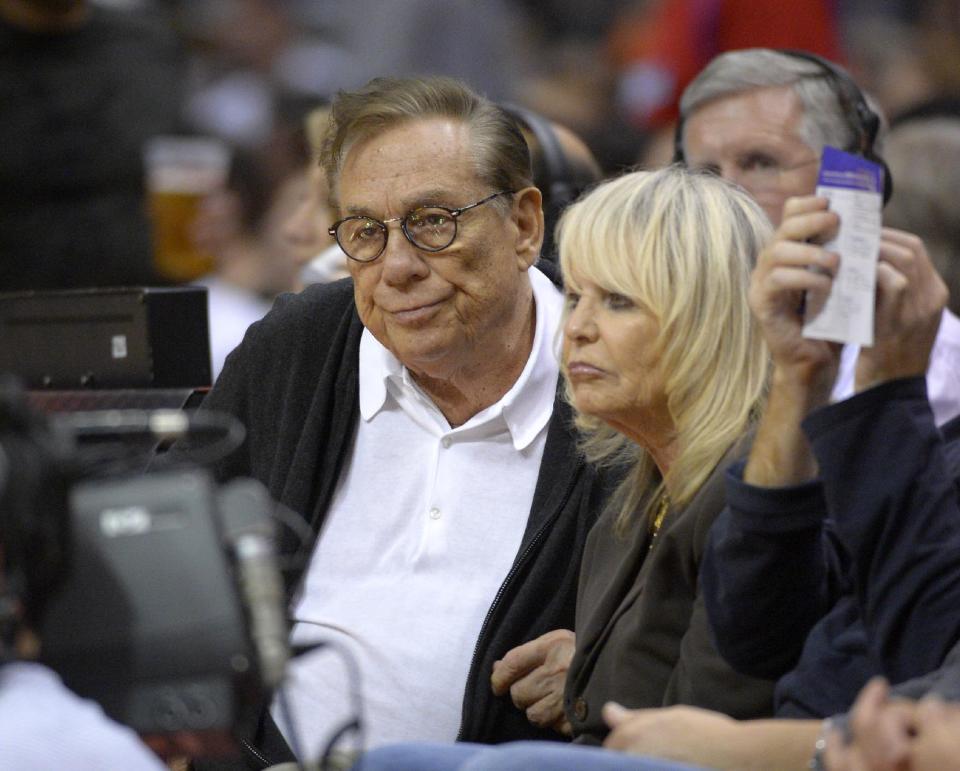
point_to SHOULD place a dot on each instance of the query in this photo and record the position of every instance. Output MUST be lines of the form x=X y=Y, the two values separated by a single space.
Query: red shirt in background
x=660 y=50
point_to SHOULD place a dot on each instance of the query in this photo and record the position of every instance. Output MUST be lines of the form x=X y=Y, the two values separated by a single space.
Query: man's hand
x=804 y=370
x=893 y=735
x=881 y=732
x=535 y=674
x=910 y=301
x=792 y=265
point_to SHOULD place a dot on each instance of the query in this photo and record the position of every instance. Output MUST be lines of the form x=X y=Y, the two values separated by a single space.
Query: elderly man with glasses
x=411 y=415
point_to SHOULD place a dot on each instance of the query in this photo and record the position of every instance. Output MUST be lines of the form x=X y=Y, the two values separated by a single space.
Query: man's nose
x=402 y=261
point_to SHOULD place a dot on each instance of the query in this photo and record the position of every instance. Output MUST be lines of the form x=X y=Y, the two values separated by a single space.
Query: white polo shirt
x=423 y=528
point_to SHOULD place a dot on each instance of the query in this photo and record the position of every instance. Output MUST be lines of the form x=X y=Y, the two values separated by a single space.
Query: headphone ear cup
x=557 y=184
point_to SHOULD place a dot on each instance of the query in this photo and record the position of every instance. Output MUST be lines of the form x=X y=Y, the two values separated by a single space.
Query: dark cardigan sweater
x=294 y=383
x=643 y=638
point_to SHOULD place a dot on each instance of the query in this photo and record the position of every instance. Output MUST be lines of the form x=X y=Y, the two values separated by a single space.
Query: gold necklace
x=663 y=506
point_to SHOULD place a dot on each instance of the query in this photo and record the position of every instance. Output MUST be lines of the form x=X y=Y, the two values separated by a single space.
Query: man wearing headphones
x=761 y=118
x=42 y=724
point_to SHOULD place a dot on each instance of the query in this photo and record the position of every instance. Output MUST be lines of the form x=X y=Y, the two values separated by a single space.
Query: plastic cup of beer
x=181 y=172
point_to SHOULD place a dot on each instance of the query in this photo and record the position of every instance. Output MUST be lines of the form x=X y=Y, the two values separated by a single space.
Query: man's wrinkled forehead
x=765 y=114
x=428 y=154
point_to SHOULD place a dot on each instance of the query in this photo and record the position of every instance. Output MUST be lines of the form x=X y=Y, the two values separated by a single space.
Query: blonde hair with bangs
x=681 y=244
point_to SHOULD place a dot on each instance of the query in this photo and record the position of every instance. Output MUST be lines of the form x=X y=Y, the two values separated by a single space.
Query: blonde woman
x=667 y=371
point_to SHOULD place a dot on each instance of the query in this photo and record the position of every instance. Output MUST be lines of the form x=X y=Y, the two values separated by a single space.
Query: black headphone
x=36 y=472
x=860 y=117
x=556 y=182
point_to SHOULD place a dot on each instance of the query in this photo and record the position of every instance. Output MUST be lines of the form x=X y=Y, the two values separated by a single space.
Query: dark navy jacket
x=857 y=574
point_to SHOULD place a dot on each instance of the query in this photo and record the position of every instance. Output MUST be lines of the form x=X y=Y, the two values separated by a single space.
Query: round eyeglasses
x=430 y=228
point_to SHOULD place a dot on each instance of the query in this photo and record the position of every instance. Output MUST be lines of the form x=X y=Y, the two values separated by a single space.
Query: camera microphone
x=245 y=508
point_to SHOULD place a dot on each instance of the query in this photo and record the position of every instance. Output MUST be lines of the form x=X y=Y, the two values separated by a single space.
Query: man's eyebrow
x=436 y=197
x=430 y=198
x=362 y=211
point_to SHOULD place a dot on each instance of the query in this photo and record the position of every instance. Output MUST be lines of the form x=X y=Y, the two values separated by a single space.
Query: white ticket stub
x=845 y=315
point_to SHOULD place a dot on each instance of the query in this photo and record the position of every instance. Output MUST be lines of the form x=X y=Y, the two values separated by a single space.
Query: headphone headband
x=556 y=169
x=558 y=183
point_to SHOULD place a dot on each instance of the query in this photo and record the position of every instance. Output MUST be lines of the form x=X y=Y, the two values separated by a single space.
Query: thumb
x=931 y=708
x=614 y=714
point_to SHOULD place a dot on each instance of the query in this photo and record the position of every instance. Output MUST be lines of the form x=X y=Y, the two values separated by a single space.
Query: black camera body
x=149 y=622
x=155 y=594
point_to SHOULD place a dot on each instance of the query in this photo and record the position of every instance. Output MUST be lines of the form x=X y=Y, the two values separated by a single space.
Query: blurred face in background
x=304 y=232
x=753 y=138
x=282 y=260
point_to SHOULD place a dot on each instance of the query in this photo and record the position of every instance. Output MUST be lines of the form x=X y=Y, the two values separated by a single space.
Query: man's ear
x=528 y=211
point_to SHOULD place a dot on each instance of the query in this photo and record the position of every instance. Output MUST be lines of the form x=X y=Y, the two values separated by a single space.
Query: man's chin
x=425 y=351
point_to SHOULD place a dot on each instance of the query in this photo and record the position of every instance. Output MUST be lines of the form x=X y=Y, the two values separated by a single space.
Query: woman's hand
x=704 y=738
x=685 y=734
x=880 y=733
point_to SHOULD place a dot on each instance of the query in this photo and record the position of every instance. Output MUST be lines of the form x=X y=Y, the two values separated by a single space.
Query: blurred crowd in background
x=81 y=100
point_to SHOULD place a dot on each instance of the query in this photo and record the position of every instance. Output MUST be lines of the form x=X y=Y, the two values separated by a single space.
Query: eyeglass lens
x=429 y=229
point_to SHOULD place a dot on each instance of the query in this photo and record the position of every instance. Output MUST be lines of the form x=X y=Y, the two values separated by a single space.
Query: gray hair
x=825 y=118
x=501 y=153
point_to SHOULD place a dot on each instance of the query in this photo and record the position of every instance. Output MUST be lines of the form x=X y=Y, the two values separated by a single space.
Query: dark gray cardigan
x=643 y=638
x=293 y=382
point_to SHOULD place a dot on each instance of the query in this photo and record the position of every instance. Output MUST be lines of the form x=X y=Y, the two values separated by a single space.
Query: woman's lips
x=577 y=370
